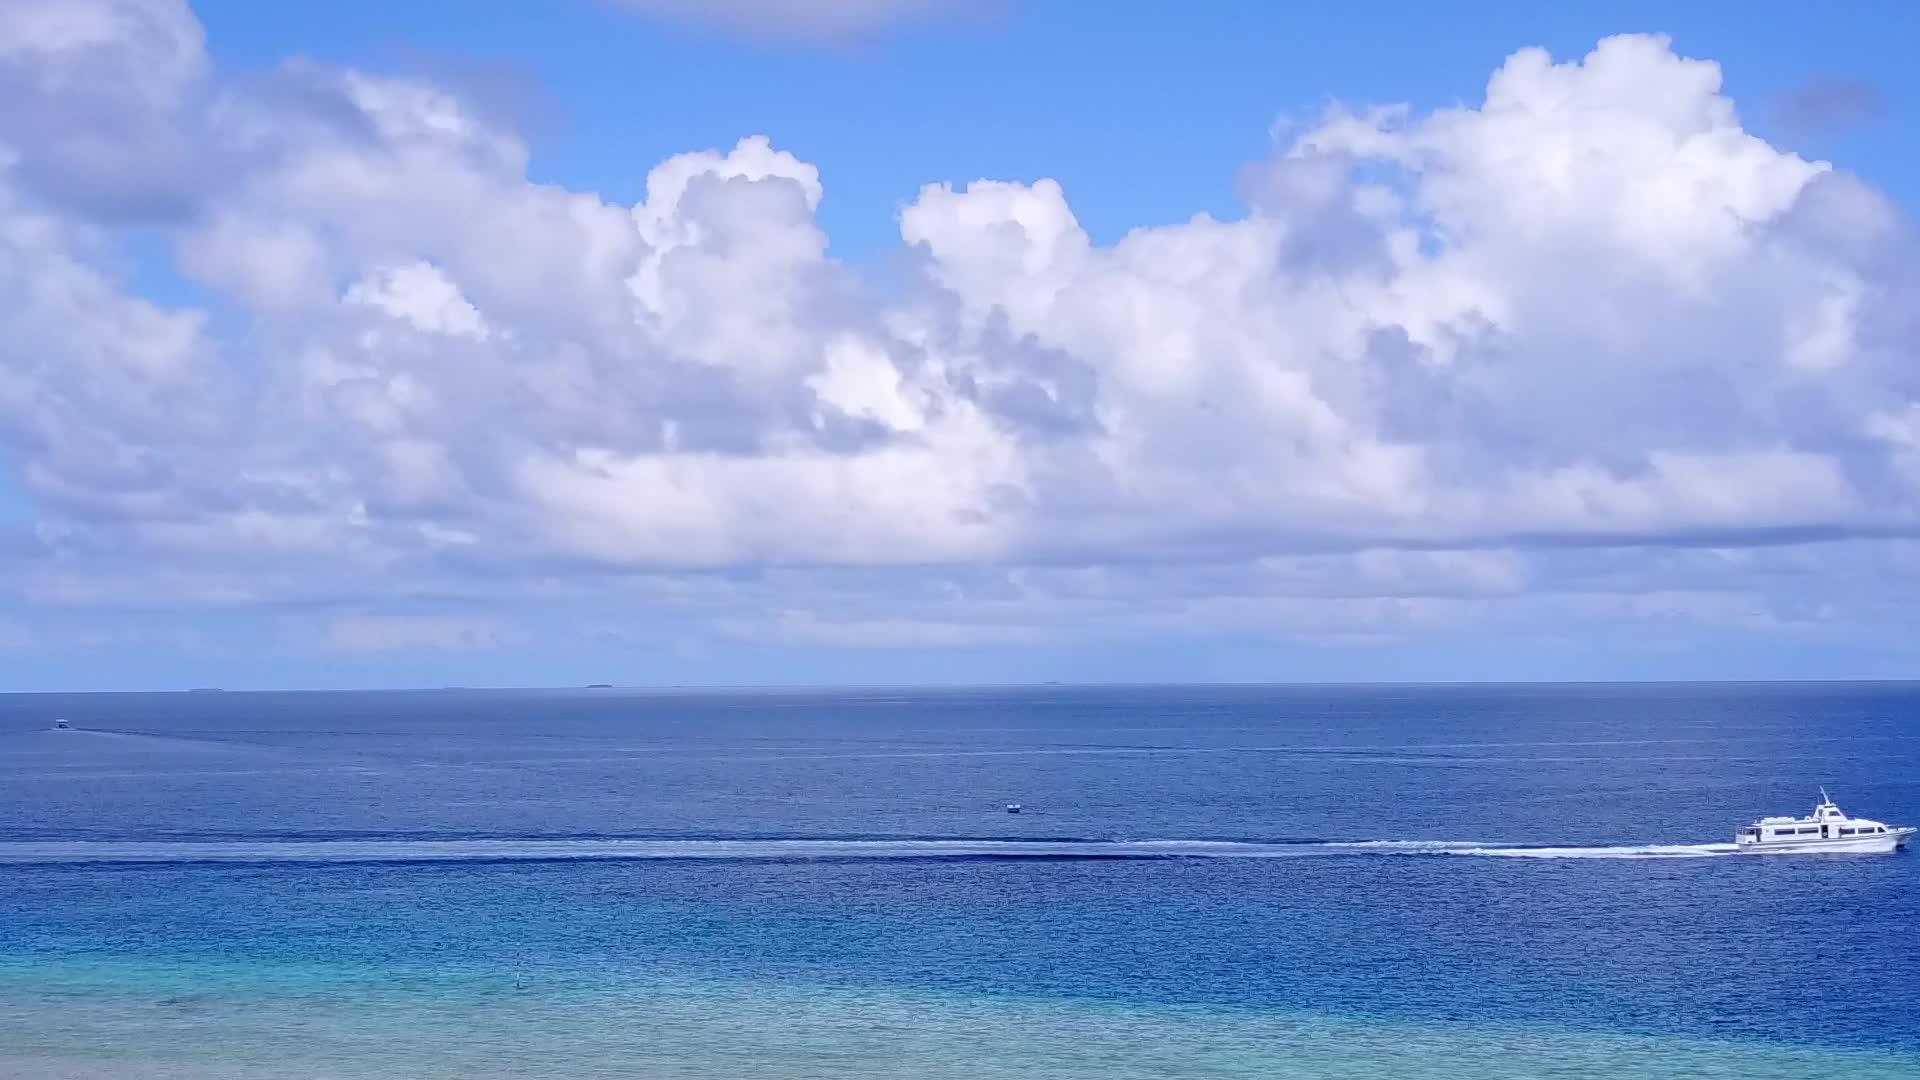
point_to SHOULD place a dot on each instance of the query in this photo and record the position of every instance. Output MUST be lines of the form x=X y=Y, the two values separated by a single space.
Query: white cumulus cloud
x=1440 y=355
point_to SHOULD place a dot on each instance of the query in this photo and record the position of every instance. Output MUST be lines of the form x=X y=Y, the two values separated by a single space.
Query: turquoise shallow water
x=228 y=1023
x=1411 y=882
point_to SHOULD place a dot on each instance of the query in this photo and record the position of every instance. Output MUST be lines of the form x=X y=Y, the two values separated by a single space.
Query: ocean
x=1237 y=881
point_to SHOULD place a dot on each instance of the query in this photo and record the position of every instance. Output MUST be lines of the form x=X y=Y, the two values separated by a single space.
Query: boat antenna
x=1823 y=794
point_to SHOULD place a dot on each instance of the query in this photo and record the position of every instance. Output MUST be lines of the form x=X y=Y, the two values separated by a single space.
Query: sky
x=662 y=342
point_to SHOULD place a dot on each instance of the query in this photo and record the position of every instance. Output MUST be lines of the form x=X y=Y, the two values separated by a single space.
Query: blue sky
x=421 y=343
x=1174 y=98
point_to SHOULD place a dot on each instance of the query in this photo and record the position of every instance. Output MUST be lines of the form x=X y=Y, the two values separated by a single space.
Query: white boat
x=1828 y=830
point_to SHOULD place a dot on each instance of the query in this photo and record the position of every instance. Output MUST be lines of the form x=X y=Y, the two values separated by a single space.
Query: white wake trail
x=1631 y=851
x=82 y=852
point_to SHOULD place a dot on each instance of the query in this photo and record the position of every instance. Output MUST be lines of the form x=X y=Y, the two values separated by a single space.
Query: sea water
x=1517 y=881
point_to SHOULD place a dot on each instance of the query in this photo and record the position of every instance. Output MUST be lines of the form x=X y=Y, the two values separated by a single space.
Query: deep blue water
x=848 y=795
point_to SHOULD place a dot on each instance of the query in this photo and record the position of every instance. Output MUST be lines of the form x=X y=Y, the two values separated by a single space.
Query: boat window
x=1846 y=832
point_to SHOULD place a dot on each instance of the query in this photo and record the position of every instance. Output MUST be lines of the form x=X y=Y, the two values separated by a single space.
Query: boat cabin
x=1828 y=823
x=1797 y=829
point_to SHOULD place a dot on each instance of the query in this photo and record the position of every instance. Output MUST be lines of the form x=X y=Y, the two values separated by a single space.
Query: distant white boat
x=60 y=723
x=1013 y=808
x=1828 y=830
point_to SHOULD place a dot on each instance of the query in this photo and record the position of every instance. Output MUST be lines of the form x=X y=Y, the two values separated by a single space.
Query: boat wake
x=1630 y=851
x=85 y=852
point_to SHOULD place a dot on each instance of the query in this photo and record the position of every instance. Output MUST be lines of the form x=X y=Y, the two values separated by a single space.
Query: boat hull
x=1879 y=844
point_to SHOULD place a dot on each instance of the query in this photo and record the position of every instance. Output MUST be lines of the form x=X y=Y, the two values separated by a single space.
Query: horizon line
x=1010 y=685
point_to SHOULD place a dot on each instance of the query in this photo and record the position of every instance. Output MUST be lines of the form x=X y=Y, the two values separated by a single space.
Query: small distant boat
x=1828 y=830
x=1013 y=808
x=61 y=723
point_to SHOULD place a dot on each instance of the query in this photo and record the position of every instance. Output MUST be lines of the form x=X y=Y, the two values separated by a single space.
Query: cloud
x=413 y=633
x=1447 y=363
x=1827 y=105
x=806 y=628
x=99 y=104
x=817 y=21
